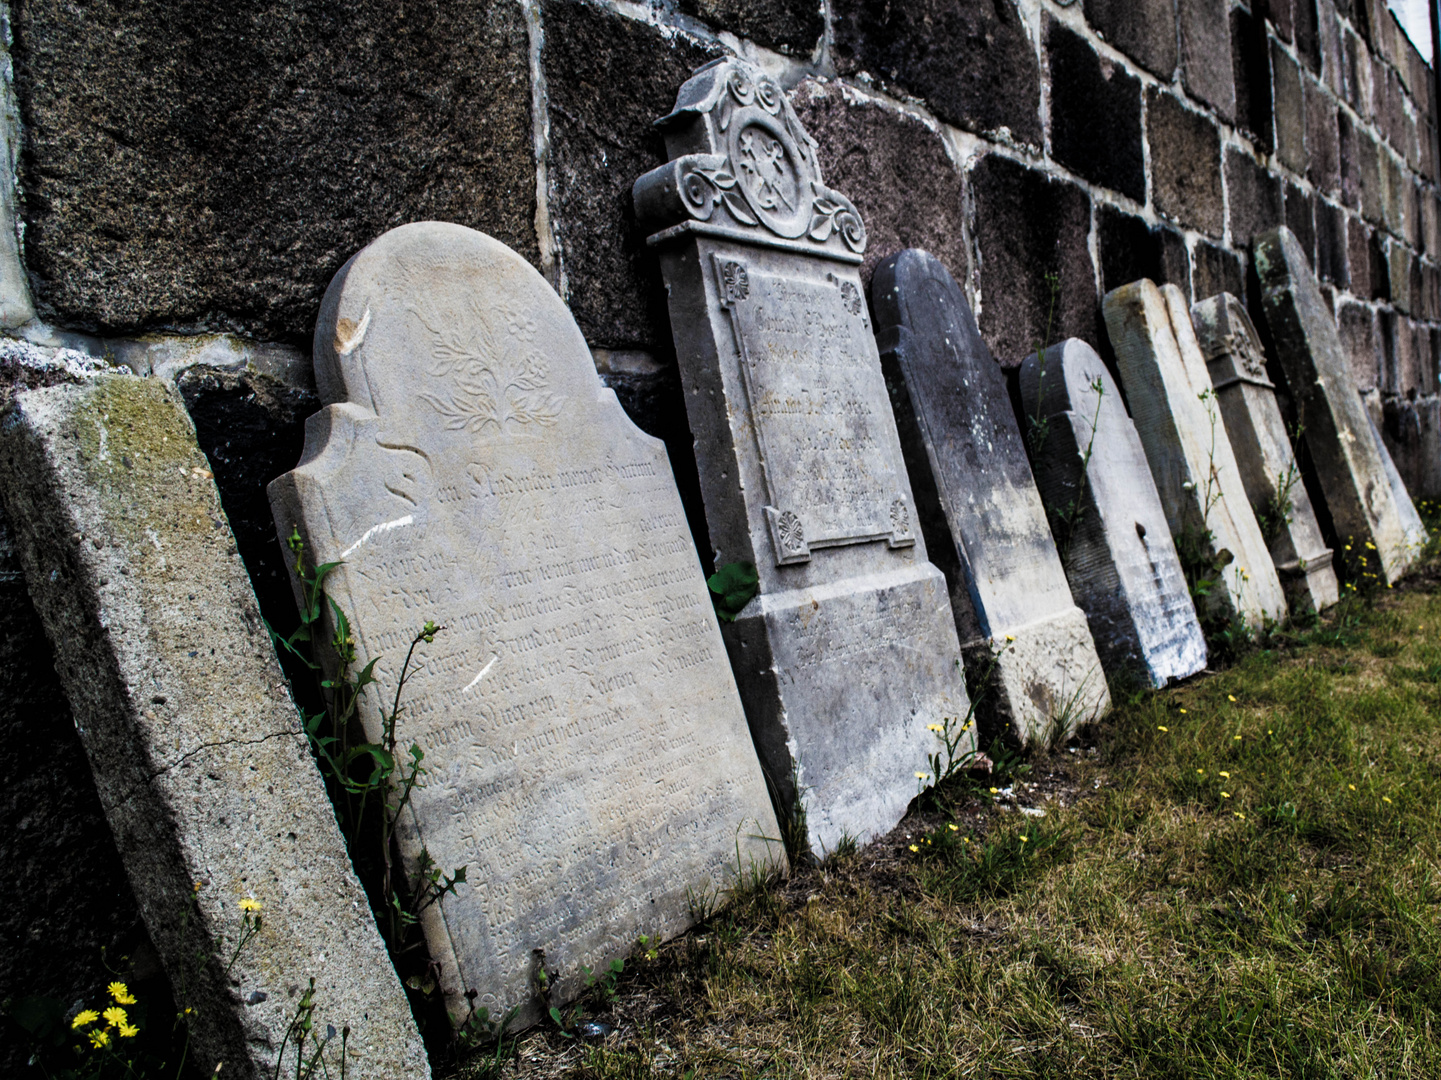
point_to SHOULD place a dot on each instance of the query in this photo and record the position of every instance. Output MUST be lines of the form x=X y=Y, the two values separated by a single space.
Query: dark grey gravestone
x=849 y=651
x=1120 y=560
x=1264 y=457
x=982 y=517
x=1364 y=506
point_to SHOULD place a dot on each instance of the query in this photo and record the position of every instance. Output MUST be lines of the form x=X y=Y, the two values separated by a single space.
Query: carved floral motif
x=491 y=374
x=792 y=534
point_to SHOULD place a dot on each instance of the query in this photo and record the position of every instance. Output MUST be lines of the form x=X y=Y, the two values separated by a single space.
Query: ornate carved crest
x=901 y=534
x=735 y=283
x=760 y=174
x=491 y=378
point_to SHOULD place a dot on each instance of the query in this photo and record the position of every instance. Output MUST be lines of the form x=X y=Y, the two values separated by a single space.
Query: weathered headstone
x=589 y=759
x=979 y=510
x=1412 y=526
x=849 y=650
x=1119 y=558
x=1269 y=472
x=1180 y=425
x=199 y=761
x=1350 y=472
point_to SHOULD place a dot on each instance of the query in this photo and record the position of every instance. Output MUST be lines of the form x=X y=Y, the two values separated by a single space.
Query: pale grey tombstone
x=200 y=763
x=1269 y=472
x=1411 y=525
x=982 y=517
x=1179 y=422
x=849 y=651
x=1118 y=555
x=1363 y=505
x=588 y=756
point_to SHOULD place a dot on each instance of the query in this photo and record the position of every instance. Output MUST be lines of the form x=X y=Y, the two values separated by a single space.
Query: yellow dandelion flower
x=995 y=791
x=921 y=775
x=1351 y=786
x=1239 y=814
x=1269 y=732
x=99 y=1038
x=965 y=839
x=249 y=903
x=1385 y=798
x=88 y=1016
x=1162 y=727
x=1023 y=839
x=128 y=1031
x=1236 y=738
x=1010 y=638
x=121 y=993
x=1225 y=774
x=115 y=1016
x=954 y=828
x=1230 y=697
x=1225 y=794
x=915 y=848
x=935 y=727
x=1200 y=772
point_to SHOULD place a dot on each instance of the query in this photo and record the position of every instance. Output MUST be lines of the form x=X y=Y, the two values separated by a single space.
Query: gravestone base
x=841 y=751
x=1045 y=684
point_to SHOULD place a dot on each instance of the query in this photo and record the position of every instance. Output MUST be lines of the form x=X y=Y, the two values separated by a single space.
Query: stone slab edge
x=202 y=770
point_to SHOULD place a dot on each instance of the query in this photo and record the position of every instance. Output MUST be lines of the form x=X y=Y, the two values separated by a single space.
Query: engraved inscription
x=815 y=401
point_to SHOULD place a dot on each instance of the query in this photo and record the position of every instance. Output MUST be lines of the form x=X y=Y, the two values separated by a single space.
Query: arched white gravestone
x=589 y=761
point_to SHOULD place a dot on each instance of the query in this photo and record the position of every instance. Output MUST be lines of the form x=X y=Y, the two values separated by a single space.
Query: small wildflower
x=1269 y=732
x=99 y=1039
x=249 y=903
x=915 y=848
x=1023 y=839
x=1200 y=772
x=995 y=791
x=1236 y=738
x=115 y=1015
x=1239 y=814
x=1225 y=774
x=121 y=993
x=1225 y=794
x=921 y=775
x=128 y=1031
x=1162 y=727
x=1010 y=638
x=1385 y=798
x=1230 y=697
x=88 y=1016
x=1351 y=786
x=1182 y=711
x=935 y=727
x=965 y=839
x=954 y=828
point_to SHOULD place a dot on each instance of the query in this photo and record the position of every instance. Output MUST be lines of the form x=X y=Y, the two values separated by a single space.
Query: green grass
x=1169 y=920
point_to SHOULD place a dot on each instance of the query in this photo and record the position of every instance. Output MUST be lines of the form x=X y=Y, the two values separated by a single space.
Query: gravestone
x=1269 y=472
x=849 y=650
x=978 y=507
x=1119 y=559
x=589 y=762
x=1411 y=525
x=201 y=768
x=1363 y=506
x=1179 y=422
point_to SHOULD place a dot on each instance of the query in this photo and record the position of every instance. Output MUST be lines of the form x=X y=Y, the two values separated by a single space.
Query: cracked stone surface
x=200 y=766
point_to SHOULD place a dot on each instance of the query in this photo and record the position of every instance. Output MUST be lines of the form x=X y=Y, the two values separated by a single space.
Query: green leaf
x=732 y=587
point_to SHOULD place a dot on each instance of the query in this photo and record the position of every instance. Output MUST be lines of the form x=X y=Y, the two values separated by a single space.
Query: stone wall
x=183 y=181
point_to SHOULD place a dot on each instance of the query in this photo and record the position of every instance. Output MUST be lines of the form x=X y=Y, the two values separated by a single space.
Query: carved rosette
x=788 y=536
x=760 y=175
x=901 y=534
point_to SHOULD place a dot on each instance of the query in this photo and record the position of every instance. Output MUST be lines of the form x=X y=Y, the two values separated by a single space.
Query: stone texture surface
x=1289 y=103
x=1356 y=325
x=1185 y=163
x=974 y=63
x=1187 y=449
x=1267 y=463
x=1254 y=198
x=601 y=140
x=1214 y=269
x=1095 y=114
x=587 y=752
x=1323 y=153
x=1130 y=248
x=199 y=762
x=1251 y=62
x=211 y=169
x=789 y=26
x=1024 y=220
x=984 y=523
x=907 y=190
x=1349 y=471
x=1331 y=244
x=1301 y=218
x=1144 y=29
x=849 y=650
x=1206 y=66
x=1122 y=565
